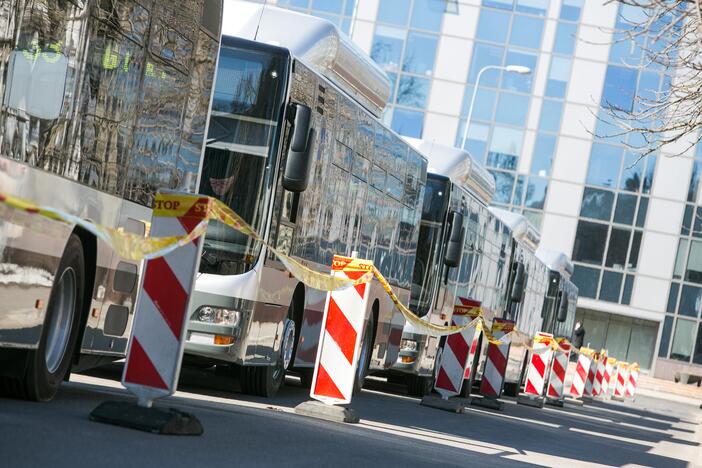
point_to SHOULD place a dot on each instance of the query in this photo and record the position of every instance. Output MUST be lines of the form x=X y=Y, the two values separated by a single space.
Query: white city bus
x=296 y=147
x=103 y=103
x=483 y=254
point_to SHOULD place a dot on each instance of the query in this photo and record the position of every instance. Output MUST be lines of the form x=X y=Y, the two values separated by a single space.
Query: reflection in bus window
x=36 y=82
x=426 y=267
x=239 y=154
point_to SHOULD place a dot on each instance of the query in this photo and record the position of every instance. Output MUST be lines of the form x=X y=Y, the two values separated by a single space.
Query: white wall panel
x=657 y=254
x=571 y=161
x=363 y=35
x=597 y=14
x=593 y=43
x=440 y=128
x=564 y=198
x=445 y=97
x=650 y=293
x=453 y=59
x=586 y=82
x=578 y=121
x=672 y=178
x=465 y=22
x=558 y=233
x=367 y=9
x=664 y=215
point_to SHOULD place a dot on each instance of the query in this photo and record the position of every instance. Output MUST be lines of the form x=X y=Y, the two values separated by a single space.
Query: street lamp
x=509 y=68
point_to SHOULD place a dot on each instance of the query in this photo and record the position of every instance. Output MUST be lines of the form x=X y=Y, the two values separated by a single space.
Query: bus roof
x=520 y=226
x=317 y=43
x=458 y=165
x=556 y=260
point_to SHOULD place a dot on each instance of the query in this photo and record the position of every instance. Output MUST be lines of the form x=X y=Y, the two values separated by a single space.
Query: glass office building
x=633 y=227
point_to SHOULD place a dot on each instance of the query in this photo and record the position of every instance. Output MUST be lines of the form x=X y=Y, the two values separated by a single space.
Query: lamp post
x=509 y=68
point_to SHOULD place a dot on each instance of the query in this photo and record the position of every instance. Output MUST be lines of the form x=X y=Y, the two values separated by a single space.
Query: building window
x=605 y=161
x=665 y=336
x=407 y=122
x=597 y=204
x=412 y=91
x=571 y=9
x=566 y=34
x=394 y=12
x=526 y=32
x=427 y=14
x=590 y=242
x=558 y=77
x=420 y=53
x=493 y=26
x=683 y=338
x=619 y=88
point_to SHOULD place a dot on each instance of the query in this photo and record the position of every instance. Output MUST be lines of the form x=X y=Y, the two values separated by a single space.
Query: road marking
x=628 y=440
x=502 y=415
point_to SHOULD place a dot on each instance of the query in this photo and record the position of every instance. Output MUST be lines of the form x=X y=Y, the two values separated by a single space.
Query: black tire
x=364 y=356
x=261 y=380
x=39 y=383
x=419 y=386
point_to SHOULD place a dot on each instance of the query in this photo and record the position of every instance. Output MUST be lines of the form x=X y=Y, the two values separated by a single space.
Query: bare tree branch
x=667 y=35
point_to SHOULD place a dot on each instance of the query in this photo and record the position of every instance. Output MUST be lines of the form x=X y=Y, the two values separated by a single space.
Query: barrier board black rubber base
x=317 y=409
x=489 y=403
x=167 y=421
x=452 y=405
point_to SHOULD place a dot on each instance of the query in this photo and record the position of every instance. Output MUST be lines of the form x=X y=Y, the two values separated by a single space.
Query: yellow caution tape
x=135 y=247
x=429 y=328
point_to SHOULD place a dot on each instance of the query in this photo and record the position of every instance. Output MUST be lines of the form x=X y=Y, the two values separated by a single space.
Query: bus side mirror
x=298 y=164
x=518 y=284
x=454 y=245
x=563 y=309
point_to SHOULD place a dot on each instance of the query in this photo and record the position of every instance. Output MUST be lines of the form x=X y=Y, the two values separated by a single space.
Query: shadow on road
x=600 y=432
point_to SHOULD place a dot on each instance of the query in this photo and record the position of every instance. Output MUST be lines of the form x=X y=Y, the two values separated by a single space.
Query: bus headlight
x=218 y=316
x=408 y=345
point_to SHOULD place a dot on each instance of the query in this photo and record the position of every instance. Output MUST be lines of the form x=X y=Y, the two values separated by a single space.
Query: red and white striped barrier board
x=620 y=380
x=156 y=346
x=454 y=358
x=590 y=382
x=632 y=381
x=580 y=377
x=474 y=312
x=556 y=380
x=496 y=360
x=540 y=360
x=607 y=378
x=599 y=375
x=342 y=327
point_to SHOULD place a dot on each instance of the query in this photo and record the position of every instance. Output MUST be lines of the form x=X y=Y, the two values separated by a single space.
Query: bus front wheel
x=49 y=364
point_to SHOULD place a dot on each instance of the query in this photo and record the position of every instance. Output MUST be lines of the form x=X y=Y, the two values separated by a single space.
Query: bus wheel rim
x=288 y=343
x=61 y=320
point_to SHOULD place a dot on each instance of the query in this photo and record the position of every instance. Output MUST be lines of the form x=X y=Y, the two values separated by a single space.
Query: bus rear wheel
x=265 y=381
x=49 y=364
x=419 y=386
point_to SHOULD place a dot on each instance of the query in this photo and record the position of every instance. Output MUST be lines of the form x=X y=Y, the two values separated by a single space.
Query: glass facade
x=618 y=184
x=682 y=334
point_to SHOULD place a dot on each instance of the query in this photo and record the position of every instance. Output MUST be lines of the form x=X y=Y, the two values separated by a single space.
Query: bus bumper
x=215 y=328
x=413 y=356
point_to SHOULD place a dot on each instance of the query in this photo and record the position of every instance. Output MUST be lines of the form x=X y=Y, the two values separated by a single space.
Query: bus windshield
x=241 y=147
x=427 y=266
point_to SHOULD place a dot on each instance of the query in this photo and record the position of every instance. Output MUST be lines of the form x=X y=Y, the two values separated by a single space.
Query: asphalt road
x=394 y=431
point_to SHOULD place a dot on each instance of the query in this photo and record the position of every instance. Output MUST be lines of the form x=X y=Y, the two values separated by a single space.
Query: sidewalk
x=662 y=388
x=670 y=388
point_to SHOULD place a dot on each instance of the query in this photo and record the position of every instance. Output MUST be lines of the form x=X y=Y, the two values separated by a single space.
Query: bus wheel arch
x=89 y=243
x=48 y=364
